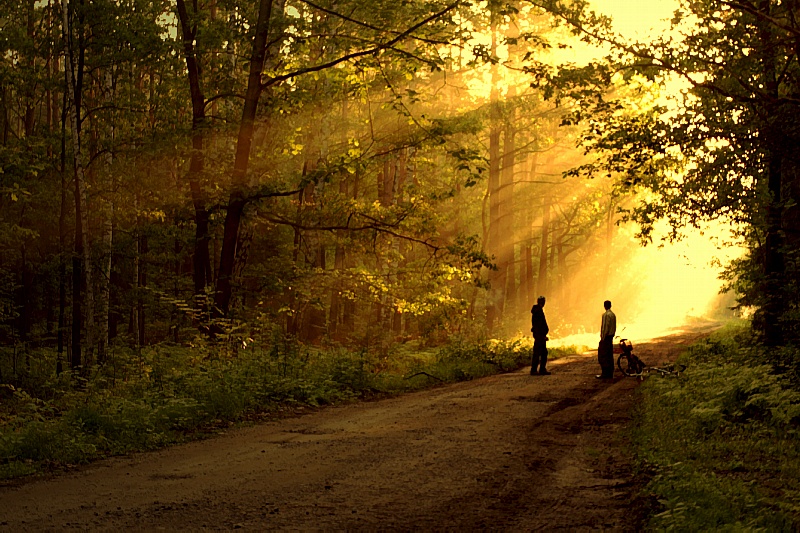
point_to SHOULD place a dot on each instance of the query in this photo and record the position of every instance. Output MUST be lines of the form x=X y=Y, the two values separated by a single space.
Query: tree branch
x=760 y=14
x=365 y=24
x=347 y=57
x=222 y=95
x=92 y=111
x=378 y=227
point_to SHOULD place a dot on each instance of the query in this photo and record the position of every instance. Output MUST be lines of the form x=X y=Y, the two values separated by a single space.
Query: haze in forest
x=662 y=286
x=672 y=282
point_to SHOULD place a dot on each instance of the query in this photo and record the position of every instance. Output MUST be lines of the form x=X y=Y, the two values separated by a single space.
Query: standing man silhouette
x=540 y=330
x=605 y=351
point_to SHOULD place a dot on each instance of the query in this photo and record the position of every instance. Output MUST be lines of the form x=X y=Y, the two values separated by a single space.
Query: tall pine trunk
x=774 y=261
x=507 y=277
x=62 y=239
x=201 y=262
x=529 y=277
x=82 y=266
x=496 y=278
x=104 y=278
x=542 y=278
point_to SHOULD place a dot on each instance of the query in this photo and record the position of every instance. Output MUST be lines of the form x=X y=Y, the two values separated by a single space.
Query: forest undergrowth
x=718 y=445
x=168 y=394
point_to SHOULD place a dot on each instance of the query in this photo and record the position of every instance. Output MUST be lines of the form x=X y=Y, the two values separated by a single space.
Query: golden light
x=653 y=289
x=637 y=19
x=679 y=281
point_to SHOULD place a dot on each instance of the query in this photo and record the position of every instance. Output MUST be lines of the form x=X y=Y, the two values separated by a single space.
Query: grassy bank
x=719 y=445
x=169 y=394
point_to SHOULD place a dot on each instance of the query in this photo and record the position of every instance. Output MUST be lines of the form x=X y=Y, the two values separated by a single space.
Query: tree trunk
x=133 y=324
x=201 y=261
x=398 y=184
x=527 y=273
x=335 y=315
x=542 y=278
x=335 y=311
x=774 y=261
x=29 y=119
x=82 y=266
x=527 y=253
x=493 y=246
x=141 y=283
x=314 y=323
x=294 y=317
x=175 y=313
x=104 y=292
x=237 y=199
x=77 y=315
x=242 y=253
x=507 y=226
x=62 y=239
x=349 y=306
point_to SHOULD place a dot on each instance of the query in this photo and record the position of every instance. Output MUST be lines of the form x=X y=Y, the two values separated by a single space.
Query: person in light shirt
x=605 y=352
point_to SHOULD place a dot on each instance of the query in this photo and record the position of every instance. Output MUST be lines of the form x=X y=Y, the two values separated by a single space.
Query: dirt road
x=509 y=452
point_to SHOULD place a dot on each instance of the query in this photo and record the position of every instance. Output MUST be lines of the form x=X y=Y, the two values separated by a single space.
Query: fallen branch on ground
x=424 y=374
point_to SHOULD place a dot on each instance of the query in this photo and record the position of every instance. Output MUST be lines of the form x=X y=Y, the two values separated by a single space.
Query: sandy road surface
x=511 y=452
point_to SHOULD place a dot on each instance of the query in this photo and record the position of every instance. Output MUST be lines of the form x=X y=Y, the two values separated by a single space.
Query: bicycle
x=630 y=365
x=668 y=370
x=627 y=362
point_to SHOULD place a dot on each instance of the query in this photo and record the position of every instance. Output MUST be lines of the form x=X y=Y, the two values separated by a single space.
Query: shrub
x=719 y=444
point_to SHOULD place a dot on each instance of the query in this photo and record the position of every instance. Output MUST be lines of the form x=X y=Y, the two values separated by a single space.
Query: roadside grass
x=169 y=394
x=719 y=445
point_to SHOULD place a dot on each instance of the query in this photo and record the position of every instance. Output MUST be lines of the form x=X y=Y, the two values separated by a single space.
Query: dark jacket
x=538 y=323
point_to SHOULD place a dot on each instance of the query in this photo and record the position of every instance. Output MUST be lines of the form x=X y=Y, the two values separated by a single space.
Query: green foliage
x=719 y=444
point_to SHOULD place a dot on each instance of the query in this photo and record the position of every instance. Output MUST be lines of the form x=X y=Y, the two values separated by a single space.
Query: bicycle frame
x=630 y=365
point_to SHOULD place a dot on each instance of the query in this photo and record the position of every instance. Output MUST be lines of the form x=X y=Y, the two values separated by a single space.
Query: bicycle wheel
x=638 y=365
x=672 y=369
x=624 y=365
x=628 y=366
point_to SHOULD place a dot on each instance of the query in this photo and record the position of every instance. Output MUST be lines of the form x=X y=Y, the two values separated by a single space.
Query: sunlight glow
x=679 y=283
x=636 y=19
x=653 y=289
x=657 y=289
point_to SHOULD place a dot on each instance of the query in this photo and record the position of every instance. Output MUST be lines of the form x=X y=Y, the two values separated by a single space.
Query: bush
x=719 y=444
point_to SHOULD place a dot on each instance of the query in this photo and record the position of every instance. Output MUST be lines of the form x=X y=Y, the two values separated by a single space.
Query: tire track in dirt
x=509 y=452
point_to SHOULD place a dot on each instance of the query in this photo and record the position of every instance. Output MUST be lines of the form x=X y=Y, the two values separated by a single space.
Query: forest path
x=508 y=452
